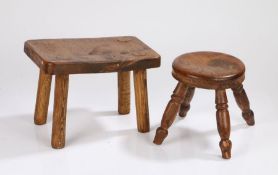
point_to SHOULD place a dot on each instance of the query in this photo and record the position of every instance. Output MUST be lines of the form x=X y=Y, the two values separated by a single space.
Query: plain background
x=101 y=142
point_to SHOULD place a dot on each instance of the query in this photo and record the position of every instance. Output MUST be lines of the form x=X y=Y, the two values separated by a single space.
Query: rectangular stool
x=62 y=57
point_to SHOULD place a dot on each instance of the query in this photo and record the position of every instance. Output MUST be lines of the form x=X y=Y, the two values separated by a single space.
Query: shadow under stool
x=208 y=70
x=62 y=57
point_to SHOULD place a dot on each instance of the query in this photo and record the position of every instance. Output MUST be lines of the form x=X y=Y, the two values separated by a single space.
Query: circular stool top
x=208 y=69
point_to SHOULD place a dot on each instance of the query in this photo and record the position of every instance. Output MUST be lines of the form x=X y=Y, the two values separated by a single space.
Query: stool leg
x=243 y=103
x=123 y=92
x=170 y=113
x=42 y=101
x=141 y=100
x=60 y=110
x=223 y=123
x=185 y=106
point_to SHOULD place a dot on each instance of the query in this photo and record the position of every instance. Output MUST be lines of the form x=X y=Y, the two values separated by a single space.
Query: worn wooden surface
x=91 y=55
x=141 y=100
x=42 y=101
x=170 y=113
x=185 y=106
x=62 y=57
x=210 y=70
x=243 y=103
x=60 y=110
x=223 y=123
x=124 y=92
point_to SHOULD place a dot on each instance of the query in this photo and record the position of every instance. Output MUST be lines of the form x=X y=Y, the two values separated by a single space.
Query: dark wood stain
x=222 y=64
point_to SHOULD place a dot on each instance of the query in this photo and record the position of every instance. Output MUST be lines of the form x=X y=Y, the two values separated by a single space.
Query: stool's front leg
x=185 y=106
x=123 y=92
x=141 y=100
x=243 y=103
x=170 y=113
x=42 y=100
x=60 y=110
x=223 y=123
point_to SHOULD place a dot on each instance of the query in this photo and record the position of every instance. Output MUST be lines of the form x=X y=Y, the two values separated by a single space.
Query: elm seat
x=210 y=70
x=91 y=55
x=62 y=57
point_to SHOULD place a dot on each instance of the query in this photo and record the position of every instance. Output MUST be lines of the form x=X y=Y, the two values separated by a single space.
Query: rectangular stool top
x=91 y=55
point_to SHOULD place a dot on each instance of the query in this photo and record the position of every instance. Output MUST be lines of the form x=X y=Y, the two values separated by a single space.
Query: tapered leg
x=123 y=92
x=60 y=110
x=42 y=100
x=243 y=103
x=141 y=100
x=170 y=113
x=223 y=123
x=185 y=106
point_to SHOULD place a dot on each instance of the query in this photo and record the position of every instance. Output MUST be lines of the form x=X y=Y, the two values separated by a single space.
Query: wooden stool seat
x=62 y=57
x=91 y=55
x=209 y=70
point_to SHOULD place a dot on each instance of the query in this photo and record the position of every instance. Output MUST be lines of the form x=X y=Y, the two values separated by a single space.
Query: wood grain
x=60 y=110
x=209 y=65
x=170 y=112
x=209 y=70
x=123 y=92
x=42 y=101
x=62 y=57
x=185 y=106
x=223 y=123
x=91 y=55
x=243 y=103
x=141 y=100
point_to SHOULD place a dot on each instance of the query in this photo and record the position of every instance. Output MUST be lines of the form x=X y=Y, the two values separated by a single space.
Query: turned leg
x=223 y=123
x=60 y=110
x=185 y=106
x=243 y=103
x=141 y=100
x=123 y=92
x=42 y=100
x=170 y=113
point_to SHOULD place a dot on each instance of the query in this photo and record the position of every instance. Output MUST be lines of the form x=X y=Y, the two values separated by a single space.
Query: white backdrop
x=98 y=140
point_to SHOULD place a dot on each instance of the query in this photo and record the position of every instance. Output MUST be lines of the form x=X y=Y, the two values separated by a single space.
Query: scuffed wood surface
x=91 y=55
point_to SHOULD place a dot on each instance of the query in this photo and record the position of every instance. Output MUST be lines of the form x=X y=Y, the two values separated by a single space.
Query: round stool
x=209 y=70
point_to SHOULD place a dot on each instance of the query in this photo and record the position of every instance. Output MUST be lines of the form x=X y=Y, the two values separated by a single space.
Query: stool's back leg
x=170 y=113
x=141 y=100
x=223 y=123
x=185 y=106
x=123 y=92
x=42 y=101
x=60 y=110
x=243 y=103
